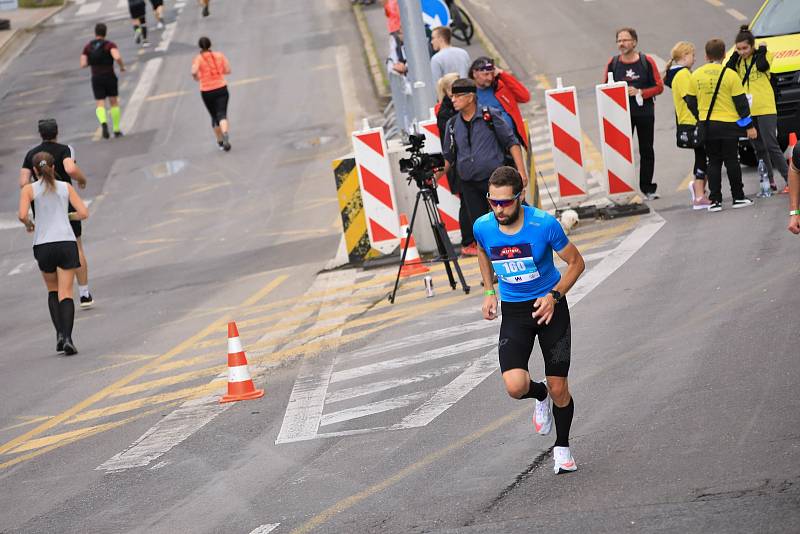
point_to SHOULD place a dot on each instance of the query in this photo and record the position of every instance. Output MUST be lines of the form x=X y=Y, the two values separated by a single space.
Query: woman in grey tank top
x=54 y=244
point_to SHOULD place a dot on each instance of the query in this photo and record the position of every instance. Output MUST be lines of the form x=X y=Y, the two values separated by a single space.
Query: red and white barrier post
x=614 y=116
x=377 y=189
x=565 y=129
x=449 y=202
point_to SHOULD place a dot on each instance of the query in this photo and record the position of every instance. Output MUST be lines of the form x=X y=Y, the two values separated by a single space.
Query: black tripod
x=443 y=243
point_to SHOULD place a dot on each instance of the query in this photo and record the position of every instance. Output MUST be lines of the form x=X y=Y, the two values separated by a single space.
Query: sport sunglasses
x=495 y=203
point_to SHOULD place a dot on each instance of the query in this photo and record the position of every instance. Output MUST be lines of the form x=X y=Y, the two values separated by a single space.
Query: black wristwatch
x=556 y=295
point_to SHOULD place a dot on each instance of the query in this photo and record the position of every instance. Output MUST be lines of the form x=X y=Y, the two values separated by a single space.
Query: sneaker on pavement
x=87 y=301
x=701 y=203
x=59 y=343
x=205 y=11
x=160 y=25
x=652 y=196
x=470 y=250
x=117 y=134
x=543 y=416
x=773 y=185
x=563 y=461
x=104 y=127
x=145 y=43
x=69 y=347
x=742 y=203
x=785 y=190
x=715 y=206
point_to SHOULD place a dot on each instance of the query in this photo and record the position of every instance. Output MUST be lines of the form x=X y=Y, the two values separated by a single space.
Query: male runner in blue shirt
x=517 y=243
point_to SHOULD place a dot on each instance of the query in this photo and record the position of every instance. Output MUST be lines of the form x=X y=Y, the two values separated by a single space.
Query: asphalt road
x=684 y=365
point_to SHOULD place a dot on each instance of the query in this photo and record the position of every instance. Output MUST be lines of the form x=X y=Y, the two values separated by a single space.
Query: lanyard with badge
x=746 y=81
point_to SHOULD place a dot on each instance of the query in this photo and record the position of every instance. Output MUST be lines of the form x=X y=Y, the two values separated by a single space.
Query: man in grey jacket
x=477 y=141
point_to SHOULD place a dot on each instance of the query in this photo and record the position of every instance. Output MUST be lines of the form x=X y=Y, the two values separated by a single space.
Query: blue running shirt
x=523 y=261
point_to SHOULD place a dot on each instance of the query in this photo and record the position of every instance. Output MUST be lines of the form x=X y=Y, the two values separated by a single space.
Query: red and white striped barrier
x=377 y=189
x=240 y=385
x=614 y=118
x=449 y=202
x=565 y=128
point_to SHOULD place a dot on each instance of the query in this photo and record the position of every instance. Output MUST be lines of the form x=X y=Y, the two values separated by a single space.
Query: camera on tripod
x=420 y=166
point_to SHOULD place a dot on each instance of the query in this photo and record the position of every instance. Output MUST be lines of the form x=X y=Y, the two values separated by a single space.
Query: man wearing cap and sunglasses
x=516 y=243
x=502 y=91
x=65 y=171
x=476 y=142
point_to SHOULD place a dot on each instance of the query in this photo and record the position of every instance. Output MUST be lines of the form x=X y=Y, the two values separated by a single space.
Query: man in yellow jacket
x=722 y=122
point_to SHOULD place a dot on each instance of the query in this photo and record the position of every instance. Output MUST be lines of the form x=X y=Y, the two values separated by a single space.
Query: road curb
x=9 y=50
x=379 y=82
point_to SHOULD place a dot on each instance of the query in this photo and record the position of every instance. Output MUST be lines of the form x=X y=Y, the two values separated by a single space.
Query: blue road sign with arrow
x=435 y=13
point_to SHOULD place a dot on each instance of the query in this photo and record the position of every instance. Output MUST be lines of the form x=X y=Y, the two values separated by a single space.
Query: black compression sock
x=66 y=312
x=52 y=304
x=563 y=420
x=144 y=31
x=537 y=390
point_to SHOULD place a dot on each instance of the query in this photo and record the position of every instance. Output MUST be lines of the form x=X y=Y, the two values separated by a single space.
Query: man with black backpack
x=644 y=83
x=100 y=55
x=477 y=141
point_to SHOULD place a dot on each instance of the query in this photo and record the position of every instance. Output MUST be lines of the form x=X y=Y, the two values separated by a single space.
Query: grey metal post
x=419 y=60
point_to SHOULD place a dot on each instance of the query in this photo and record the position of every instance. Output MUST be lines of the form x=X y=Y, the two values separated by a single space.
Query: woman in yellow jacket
x=678 y=77
x=753 y=66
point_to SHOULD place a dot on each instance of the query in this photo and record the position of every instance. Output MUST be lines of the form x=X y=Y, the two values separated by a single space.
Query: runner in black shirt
x=65 y=170
x=100 y=55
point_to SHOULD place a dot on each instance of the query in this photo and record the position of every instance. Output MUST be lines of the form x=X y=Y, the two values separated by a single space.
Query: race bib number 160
x=514 y=264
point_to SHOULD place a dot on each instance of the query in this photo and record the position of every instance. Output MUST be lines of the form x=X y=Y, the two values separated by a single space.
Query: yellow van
x=777 y=24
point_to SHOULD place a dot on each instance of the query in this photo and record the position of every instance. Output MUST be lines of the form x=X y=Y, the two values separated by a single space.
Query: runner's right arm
x=25 y=199
x=118 y=58
x=489 y=307
x=75 y=172
x=81 y=211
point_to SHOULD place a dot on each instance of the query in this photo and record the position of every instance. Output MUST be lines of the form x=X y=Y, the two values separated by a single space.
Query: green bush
x=40 y=3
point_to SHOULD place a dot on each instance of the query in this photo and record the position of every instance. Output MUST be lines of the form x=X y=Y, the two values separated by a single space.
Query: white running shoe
x=543 y=416
x=563 y=461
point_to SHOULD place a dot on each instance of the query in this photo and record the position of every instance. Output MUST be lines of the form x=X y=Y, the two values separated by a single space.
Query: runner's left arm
x=25 y=199
x=489 y=307
x=118 y=58
x=575 y=266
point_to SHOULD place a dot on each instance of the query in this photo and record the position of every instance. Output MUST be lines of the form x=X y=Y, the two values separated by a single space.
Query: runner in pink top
x=209 y=68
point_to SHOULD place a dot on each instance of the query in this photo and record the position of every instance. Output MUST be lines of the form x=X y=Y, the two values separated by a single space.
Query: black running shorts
x=156 y=4
x=216 y=102
x=104 y=86
x=137 y=10
x=519 y=329
x=63 y=254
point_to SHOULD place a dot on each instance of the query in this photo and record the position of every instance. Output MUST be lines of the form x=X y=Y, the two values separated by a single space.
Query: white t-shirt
x=450 y=59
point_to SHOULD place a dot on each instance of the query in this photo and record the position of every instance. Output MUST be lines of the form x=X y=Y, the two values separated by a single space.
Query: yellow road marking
x=195 y=211
x=427 y=460
x=164 y=96
x=27 y=420
x=34 y=454
x=143 y=253
x=685 y=183
x=617 y=229
x=164 y=223
x=203 y=188
x=168 y=381
x=129 y=360
x=161 y=398
x=715 y=3
x=124 y=381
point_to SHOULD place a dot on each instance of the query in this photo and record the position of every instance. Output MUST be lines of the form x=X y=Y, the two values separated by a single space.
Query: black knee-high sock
x=52 y=304
x=563 y=420
x=66 y=312
x=536 y=390
x=143 y=26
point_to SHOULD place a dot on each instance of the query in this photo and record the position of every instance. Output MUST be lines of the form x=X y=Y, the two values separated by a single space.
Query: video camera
x=420 y=166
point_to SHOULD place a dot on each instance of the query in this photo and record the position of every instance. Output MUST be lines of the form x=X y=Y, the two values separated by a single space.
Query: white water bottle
x=639 y=98
x=765 y=190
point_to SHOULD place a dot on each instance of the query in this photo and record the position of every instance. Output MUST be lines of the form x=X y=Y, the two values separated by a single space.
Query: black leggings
x=700 y=162
x=474 y=204
x=724 y=151
x=645 y=128
x=216 y=102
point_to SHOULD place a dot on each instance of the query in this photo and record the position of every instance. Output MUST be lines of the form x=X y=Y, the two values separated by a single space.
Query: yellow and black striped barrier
x=354 y=221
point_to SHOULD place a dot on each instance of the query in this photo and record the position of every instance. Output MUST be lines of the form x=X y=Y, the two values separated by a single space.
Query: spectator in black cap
x=502 y=91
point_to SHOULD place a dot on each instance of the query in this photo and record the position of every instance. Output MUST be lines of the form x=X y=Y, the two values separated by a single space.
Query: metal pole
x=419 y=60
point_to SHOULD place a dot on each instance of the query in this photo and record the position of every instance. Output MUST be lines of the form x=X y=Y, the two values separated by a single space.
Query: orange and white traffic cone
x=240 y=385
x=790 y=147
x=413 y=264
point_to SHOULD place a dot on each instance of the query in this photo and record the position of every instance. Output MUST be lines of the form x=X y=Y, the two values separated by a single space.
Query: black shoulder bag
x=692 y=136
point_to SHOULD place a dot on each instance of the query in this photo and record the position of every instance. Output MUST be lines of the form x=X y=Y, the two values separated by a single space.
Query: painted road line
x=146 y=81
x=453 y=392
x=414 y=359
x=161 y=438
x=88 y=9
x=384 y=385
x=265 y=529
x=307 y=400
x=124 y=381
x=715 y=3
x=648 y=227
x=738 y=15
x=372 y=408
